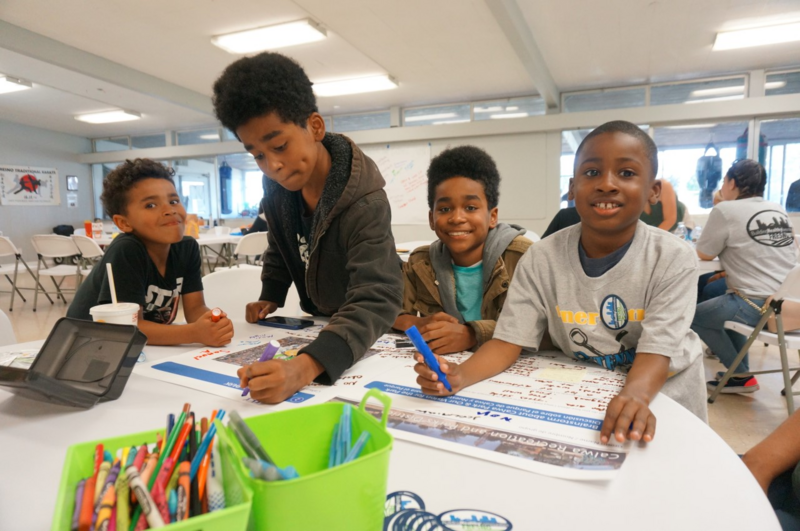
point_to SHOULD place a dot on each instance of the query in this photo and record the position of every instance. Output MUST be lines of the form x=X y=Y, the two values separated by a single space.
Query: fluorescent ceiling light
x=423 y=117
x=210 y=136
x=691 y=126
x=774 y=85
x=354 y=86
x=489 y=109
x=107 y=117
x=270 y=37
x=715 y=91
x=449 y=122
x=512 y=108
x=745 y=38
x=12 y=84
x=722 y=98
x=511 y=115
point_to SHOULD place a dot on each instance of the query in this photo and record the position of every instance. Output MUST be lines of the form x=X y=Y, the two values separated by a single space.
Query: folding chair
x=91 y=253
x=7 y=248
x=253 y=244
x=6 y=330
x=54 y=246
x=790 y=289
x=231 y=290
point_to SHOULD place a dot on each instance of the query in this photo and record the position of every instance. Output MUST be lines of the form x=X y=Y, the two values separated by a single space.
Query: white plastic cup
x=126 y=313
x=97 y=230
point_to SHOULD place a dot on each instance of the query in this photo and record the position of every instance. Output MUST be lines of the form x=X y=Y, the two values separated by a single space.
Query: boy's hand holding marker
x=273 y=381
x=430 y=382
x=213 y=329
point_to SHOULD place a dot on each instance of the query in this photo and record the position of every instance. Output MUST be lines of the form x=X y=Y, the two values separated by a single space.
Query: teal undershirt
x=469 y=290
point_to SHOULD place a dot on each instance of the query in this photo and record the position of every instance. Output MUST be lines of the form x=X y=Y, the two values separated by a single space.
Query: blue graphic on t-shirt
x=614 y=313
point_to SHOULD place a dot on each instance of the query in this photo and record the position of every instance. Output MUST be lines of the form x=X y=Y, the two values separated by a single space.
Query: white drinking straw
x=111 y=284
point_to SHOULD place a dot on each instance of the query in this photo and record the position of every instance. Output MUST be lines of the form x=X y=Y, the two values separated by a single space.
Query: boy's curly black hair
x=621 y=126
x=465 y=161
x=262 y=84
x=750 y=178
x=124 y=177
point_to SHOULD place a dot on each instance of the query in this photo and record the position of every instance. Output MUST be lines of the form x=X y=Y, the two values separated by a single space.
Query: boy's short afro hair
x=122 y=178
x=465 y=161
x=263 y=84
x=621 y=126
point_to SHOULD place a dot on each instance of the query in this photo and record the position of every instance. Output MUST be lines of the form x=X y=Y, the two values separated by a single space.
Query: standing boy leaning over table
x=154 y=265
x=610 y=290
x=459 y=283
x=329 y=223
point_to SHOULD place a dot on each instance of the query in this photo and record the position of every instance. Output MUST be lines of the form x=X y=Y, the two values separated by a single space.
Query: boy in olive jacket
x=456 y=287
x=329 y=223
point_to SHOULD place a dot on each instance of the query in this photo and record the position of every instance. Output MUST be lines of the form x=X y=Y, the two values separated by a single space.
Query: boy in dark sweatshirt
x=329 y=223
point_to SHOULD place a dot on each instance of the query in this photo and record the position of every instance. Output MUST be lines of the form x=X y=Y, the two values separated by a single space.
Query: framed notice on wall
x=26 y=185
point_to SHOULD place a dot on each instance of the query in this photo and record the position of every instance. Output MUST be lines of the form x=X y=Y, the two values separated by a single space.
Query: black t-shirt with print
x=137 y=279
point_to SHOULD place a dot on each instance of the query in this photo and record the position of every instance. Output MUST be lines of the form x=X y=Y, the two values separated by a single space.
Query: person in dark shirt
x=154 y=265
x=566 y=217
x=793 y=197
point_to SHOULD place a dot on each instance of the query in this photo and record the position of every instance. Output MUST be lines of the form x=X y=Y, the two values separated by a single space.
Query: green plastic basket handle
x=383 y=399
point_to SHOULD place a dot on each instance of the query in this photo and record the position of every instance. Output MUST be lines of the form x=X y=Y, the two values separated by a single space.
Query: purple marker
x=78 y=499
x=269 y=353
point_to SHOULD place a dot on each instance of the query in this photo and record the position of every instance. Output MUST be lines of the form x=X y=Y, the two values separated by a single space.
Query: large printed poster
x=26 y=185
x=405 y=170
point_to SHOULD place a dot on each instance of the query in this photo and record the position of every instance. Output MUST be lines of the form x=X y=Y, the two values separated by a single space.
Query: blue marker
x=430 y=360
x=272 y=348
x=201 y=452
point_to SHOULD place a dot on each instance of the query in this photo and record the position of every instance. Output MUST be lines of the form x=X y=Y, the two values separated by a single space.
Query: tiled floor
x=741 y=420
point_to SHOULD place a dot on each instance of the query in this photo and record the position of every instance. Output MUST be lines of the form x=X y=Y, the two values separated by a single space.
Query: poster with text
x=405 y=170
x=26 y=185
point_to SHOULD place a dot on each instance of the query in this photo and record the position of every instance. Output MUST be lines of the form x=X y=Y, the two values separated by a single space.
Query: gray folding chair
x=253 y=244
x=91 y=253
x=789 y=290
x=51 y=246
x=7 y=248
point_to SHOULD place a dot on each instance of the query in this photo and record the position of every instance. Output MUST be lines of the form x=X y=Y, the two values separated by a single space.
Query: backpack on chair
x=709 y=173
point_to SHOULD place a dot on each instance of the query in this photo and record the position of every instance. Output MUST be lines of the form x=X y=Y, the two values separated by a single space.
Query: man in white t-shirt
x=755 y=244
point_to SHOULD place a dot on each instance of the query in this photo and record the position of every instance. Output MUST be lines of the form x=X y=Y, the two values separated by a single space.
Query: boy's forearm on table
x=161 y=334
x=647 y=375
x=491 y=359
x=778 y=452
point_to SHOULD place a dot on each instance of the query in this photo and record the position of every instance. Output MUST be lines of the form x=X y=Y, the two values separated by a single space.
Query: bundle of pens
x=177 y=477
x=341 y=451
x=258 y=461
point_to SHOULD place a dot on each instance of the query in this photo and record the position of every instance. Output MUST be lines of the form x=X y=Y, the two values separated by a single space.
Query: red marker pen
x=216 y=315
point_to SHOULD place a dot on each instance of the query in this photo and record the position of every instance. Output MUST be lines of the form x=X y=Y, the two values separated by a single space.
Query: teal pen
x=357 y=447
x=173 y=505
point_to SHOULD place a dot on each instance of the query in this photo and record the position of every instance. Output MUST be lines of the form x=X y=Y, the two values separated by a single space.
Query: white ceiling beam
x=511 y=20
x=45 y=49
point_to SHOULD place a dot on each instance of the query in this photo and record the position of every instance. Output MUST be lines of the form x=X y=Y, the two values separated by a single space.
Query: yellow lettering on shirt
x=580 y=318
x=636 y=315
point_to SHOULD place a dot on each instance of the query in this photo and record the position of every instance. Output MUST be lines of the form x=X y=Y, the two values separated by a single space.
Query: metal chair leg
x=38 y=284
x=787 y=381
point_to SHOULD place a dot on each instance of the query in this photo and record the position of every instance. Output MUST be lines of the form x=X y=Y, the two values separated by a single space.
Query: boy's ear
x=571 y=191
x=493 y=218
x=122 y=223
x=655 y=192
x=316 y=125
x=430 y=220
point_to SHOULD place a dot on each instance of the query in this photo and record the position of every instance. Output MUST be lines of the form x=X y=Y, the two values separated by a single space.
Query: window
x=782 y=83
x=200 y=136
x=598 y=100
x=680 y=147
x=148 y=141
x=442 y=114
x=732 y=88
x=508 y=108
x=119 y=143
x=99 y=172
x=242 y=192
x=780 y=144
x=193 y=180
x=359 y=122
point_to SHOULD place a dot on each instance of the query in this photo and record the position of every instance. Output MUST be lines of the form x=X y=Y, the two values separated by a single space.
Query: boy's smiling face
x=284 y=151
x=461 y=218
x=154 y=213
x=613 y=182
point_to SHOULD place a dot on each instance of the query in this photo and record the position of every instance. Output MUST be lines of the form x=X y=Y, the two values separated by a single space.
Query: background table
x=686 y=479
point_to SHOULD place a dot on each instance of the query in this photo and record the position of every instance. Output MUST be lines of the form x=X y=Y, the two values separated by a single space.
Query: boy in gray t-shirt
x=610 y=290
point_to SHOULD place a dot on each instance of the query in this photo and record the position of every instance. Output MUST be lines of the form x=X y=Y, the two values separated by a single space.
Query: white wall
x=21 y=145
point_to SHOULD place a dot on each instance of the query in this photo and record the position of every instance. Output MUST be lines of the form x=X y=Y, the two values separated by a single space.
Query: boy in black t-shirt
x=153 y=264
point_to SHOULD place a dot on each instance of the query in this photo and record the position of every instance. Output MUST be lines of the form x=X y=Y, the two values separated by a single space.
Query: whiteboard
x=405 y=170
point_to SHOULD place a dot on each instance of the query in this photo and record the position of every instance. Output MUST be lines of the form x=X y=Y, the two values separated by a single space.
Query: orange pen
x=184 y=488
x=216 y=315
x=87 y=508
x=180 y=441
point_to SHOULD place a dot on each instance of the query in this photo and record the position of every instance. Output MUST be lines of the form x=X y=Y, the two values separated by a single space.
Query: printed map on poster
x=26 y=185
x=405 y=170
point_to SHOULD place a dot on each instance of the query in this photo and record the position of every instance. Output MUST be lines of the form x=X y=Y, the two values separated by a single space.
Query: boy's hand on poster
x=272 y=382
x=628 y=416
x=446 y=337
x=211 y=333
x=255 y=311
x=428 y=380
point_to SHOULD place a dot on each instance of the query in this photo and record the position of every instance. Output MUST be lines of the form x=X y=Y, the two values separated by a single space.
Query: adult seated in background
x=773 y=462
x=755 y=244
x=668 y=212
x=712 y=285
x=793 y=197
